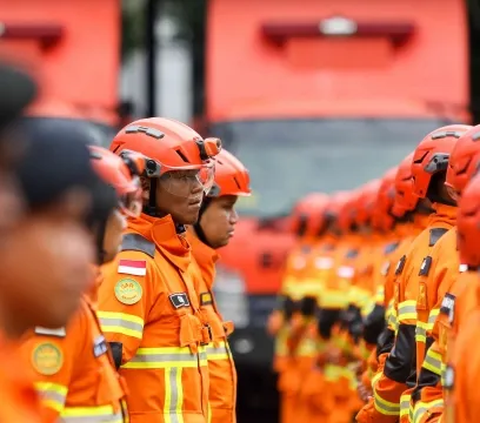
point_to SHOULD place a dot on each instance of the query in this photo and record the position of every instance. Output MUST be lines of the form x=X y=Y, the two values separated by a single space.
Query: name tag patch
x=448 y=306
x=100 y=346
x=179 y=300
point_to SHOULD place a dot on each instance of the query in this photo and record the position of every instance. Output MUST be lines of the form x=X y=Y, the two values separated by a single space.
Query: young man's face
x=219 y=220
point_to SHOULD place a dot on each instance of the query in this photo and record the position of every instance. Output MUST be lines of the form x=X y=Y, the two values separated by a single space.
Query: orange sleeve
x=53 y=355
x=124 y=300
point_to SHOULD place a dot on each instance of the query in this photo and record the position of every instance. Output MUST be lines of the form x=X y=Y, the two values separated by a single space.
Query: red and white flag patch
x=133 y=267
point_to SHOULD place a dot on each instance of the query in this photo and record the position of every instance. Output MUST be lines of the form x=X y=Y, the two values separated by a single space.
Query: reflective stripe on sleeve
x=104 y=413
x=423 y=407
x=53 y=395
x=222 y=352
x=433 y=362
x=164 y=358
x=385 y=407
x=405 y=407
x=407 y=310
x=125 y=324
x=421 y=332
x=432 y=318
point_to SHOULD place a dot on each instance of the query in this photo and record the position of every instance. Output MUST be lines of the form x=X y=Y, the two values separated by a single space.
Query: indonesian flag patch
x=133 y=267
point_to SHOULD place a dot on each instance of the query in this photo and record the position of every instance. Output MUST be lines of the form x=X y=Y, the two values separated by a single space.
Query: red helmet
x=382 y=216
x=468 y=224
x=231 y=176
x=432 y=154
x=121 y=173
x=366 y=202
x=308 y=213
x=405 y=199
x=463 y=161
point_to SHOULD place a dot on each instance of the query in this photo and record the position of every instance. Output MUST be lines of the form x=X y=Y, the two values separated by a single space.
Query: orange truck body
x=74 y=47
x=352 y=85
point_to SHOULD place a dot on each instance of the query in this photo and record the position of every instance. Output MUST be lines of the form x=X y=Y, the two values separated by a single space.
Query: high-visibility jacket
x=454 y=309
x=75 y=375
x=462 y=399
x=222 y=394
x=19 y=400
x=150 y=314
x=400 y=363
x=441 y=273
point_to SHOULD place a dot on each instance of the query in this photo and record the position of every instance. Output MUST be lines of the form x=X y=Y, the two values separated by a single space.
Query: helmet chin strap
x=197 y=227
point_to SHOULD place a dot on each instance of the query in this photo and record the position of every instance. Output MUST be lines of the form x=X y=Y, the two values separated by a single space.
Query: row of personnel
x=108 y=259
x=379 y=311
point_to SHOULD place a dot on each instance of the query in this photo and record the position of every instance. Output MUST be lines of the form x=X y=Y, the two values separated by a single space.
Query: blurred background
x=311 y=95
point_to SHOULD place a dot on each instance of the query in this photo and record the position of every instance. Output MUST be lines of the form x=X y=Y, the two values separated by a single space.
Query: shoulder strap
x=136 y=242
x=435 y=235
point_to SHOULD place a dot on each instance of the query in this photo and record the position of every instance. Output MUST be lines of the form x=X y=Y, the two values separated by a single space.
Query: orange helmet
x=463 y=161
x=468 y=224
x=405 y=199
x=382 y=215
x=348 y=212
x=432 y=154
x=231 y=176
x=308 y=213
x=170 y=146
x=121 y=173
x=366 y=202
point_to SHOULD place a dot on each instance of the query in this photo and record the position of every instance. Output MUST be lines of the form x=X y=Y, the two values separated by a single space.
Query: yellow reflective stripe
x=173 y=405
x=309 y=287
x=380 y=295
x=376 y=378
x=53 y=395
x=422 y=407
x=103 y=413
x=421 y=331
x=385 y=407
x=407 y=310
x=432 y=317
x=368 y=308
x=163 y=358
x=222 y=352
x=288 y=285
x=433 y=362
x=126 y=324
x=333 y=299
x=332 y=372
x=405 y=405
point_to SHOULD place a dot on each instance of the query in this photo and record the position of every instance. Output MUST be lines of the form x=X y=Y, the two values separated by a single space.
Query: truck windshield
x=290 y=158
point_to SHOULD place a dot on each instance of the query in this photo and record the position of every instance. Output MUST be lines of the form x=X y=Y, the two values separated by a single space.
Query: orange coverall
x=150 y=314
x=462 y=396
x=75 y=375
x=19 y=400
x=427 y=398
x=222 y=394
x=401 y=362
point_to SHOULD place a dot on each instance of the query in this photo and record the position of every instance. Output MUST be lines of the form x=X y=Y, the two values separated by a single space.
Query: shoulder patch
x=47 y=358
x=179 y=300
x=390 y=248
x=59 y=333
x=435 y=235
x=425 y=267
x=128 y=291
x=448 y=306
x=136 y=242
x=351 y=254
x=100 y=346
x=132 y=267
x=400 y=265
x=206 y=298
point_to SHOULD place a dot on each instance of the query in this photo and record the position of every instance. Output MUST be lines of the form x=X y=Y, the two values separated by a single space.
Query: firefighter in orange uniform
x=214 y=228
x=57 y=190
x=446 y=289
x=286 y=322
x=148 y=307
x=82 y=383
x=428 y=168
x=462 y=399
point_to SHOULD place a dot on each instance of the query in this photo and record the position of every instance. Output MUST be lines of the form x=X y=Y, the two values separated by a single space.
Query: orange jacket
x=400 y=363
x=79 y=379
x=20 y=402
x=454 y=309
x=150 y=314
x=222 y=394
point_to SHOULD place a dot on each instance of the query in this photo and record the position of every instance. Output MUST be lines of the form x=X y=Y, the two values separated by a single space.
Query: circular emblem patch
x=47 y=358
x=128 y=291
